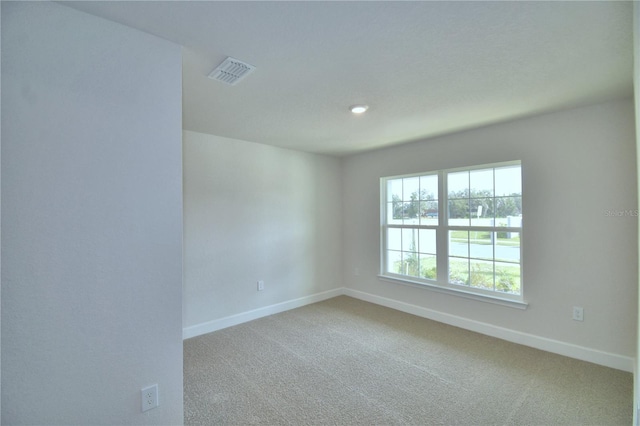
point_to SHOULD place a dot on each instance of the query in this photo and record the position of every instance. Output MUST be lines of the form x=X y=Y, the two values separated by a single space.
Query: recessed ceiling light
x=358 y=109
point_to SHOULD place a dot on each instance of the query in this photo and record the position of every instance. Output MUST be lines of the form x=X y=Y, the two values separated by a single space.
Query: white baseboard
x=218 y=324
x=606 y=359
x=555 y=346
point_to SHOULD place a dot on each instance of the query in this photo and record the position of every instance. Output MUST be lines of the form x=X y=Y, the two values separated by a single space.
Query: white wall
x=577 y=165
x=91 y=219
x=0 y=231
x=636 y=85
x=255 y=212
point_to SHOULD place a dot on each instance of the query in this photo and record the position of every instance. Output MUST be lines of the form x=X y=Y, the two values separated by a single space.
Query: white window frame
x=442 y=228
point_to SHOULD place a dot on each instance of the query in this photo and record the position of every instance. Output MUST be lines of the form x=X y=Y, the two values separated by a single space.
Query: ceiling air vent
x=231 y=71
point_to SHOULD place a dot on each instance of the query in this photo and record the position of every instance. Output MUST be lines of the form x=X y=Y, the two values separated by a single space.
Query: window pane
x=394 y=239
x=458 y=271
x=459 y=243
x=481 y=274
x=508 y=278
x=508 y=246
x=481 y=183
x=411 y=206
x=506 y=207
x=394 y=213
x=458 y=184
x=409 y=240
x=412 y=221
x=459 y=212
x=429 y=212
x=410 y=264
x=394 y=190
x=412 y=213
x=481 y=211
x=508 y=180
x=428 y=267
x=427 y=241
x=481 y=245
x=429 y=187
x=394 y=262
x=410 y=188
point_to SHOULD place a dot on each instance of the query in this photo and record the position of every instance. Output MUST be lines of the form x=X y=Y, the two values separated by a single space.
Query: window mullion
x=442 y=237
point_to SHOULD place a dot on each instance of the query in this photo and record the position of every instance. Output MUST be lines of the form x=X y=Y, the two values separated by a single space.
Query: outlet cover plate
x=149 y=397
x=578 y=313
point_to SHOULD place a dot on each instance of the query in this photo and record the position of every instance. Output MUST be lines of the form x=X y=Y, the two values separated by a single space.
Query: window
x=458 y=230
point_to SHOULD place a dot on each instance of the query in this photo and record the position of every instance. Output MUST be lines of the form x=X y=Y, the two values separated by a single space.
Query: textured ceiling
x=425 y=68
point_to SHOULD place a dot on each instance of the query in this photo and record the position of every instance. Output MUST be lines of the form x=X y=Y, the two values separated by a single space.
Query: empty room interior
x=319 y=212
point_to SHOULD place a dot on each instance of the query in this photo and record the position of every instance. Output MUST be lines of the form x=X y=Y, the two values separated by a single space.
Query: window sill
x=457 y=292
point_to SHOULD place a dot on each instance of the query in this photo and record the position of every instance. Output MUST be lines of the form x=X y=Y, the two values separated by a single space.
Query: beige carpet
x=344 y=361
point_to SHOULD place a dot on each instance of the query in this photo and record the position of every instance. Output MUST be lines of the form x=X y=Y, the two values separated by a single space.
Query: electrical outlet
x=578 y=313
x=260 y=285
x=149 y=397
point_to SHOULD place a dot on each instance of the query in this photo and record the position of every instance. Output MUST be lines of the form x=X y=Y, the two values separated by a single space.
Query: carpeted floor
x=344 y=361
